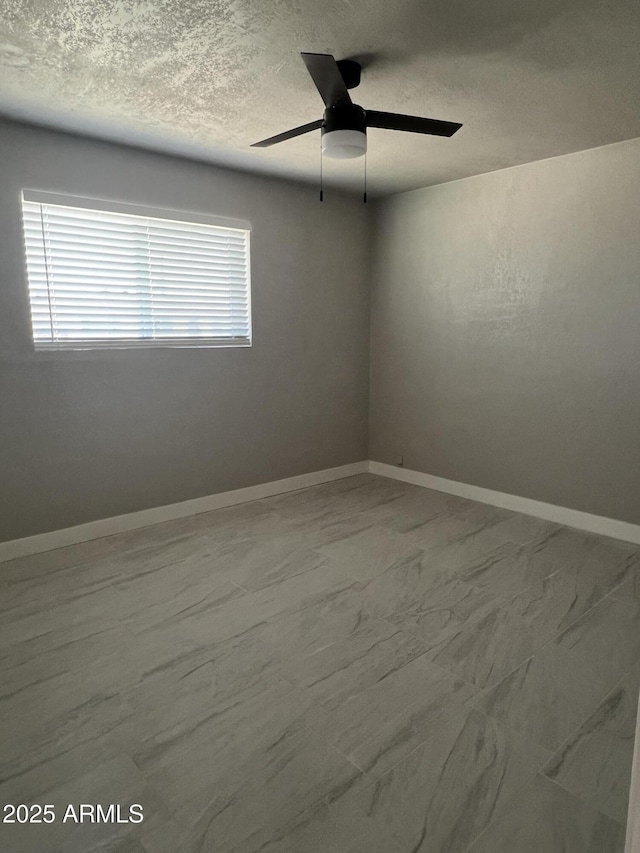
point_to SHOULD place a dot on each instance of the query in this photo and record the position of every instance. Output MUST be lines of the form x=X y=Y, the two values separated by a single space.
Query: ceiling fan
x=344 y=125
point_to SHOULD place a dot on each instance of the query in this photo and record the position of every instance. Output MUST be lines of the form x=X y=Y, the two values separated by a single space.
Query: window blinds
x=104 y=278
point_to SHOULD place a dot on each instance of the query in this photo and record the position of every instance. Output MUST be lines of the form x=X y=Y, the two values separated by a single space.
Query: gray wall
x=506 y=331
x=87 y=436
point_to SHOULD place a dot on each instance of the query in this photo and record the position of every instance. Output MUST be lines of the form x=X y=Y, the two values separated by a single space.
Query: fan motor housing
x=350 y=71
x=344 y=132
x=344 y=117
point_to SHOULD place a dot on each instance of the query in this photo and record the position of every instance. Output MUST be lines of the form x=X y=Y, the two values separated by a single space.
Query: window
x=110 y=275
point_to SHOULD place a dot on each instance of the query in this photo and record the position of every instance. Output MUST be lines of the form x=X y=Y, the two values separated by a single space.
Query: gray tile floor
x=360 y=667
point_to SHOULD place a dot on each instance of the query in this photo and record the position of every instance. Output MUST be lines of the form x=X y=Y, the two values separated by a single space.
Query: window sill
x=137 y=345
x=115 y=354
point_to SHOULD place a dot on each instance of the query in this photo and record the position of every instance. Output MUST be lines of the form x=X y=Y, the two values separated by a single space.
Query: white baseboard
x=550 y=512
x=146 y=517
x=134 y=520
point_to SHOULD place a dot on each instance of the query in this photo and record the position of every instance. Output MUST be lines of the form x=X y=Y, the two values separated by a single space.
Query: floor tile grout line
x=503 y=810
x=430 y=648
x=366 y=773
x=612 y=592
x=586 y=719
x=480 y=690
x=580 y=799
x=427 y=651
x=451 y=674
x=570 y=624
x=296 y=575
x=516 y=733
x=497 y=817
x=350 y=760
x=502 y=605
x=535 y=771
x=288 y=680
x=577 y=619
x=375 y=779
x=484 y=692
x=548 y=642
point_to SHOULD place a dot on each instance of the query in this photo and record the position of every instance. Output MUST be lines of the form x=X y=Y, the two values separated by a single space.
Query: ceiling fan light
x=344 y=144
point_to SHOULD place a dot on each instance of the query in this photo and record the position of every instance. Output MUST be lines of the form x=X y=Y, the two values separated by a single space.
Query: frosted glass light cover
x=344 y=144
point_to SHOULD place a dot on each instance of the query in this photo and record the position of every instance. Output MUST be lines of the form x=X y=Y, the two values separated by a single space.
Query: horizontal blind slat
x=76 y=243
x=34 y=210
x=135 y=279
x=129 y=232
x=86 y=314
x=73 y=257
x=103 y=284
x=130 y=300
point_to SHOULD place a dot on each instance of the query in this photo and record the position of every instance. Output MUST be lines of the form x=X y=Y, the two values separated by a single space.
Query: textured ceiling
x=529 y=79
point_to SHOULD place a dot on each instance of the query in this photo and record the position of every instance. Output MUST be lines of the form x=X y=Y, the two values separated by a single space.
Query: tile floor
x=361 y=667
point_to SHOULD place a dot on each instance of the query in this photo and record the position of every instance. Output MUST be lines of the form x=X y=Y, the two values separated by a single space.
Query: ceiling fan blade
x=288 y=134
x=412 y=124
x=327 y=77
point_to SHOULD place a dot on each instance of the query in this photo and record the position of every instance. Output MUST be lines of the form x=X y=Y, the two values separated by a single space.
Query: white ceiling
x=529 y=79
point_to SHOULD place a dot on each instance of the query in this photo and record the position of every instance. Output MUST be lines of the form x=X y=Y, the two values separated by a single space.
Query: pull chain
x=364 y=198
x=321 y=185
